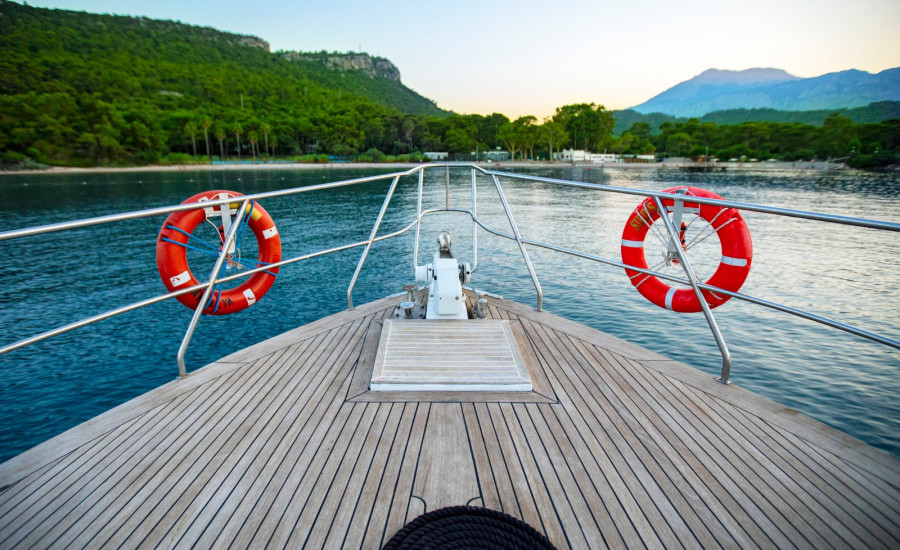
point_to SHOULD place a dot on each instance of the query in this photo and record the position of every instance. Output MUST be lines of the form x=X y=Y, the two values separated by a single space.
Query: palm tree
x=265 y=128
x=274 y=143
x=237 y=134
x=191 y=129
x=408 y=126
x=206 y=123
x=220 y=135
x=251 y=136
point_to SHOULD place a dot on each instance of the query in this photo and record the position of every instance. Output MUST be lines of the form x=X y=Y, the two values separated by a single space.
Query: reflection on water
x=842 y=272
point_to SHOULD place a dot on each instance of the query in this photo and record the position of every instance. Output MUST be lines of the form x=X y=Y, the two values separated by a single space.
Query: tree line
x=837 y=139
x=869 y=114
x=61 y=129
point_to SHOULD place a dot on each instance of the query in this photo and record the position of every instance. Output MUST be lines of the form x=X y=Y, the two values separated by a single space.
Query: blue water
x=848 y=273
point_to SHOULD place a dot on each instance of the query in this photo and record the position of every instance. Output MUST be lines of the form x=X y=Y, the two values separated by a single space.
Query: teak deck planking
x=282 y=445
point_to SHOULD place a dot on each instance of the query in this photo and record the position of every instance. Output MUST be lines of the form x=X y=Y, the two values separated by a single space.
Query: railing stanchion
x=213 y=278
x=448 y=188
x=692 y=278
x=418 y=219
x=387 y=201
x=474 y=224
x=515 y=228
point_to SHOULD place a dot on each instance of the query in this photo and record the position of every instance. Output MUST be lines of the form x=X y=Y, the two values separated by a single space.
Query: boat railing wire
x=689 y=280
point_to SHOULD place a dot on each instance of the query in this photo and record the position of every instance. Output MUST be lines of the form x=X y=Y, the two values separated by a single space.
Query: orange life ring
x=734 y=237
x=171 y=255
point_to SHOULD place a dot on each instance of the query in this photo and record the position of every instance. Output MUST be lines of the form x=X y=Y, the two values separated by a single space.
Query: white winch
x=445 y=277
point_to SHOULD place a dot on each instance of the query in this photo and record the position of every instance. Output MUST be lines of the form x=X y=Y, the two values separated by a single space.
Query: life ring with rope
x=176 y=237
x=734 y=238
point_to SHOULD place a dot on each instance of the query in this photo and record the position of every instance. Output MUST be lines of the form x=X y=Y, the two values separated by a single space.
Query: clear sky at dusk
x=526 y=57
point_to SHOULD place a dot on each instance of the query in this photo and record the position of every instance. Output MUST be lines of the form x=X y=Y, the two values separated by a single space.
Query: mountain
x=718 y=90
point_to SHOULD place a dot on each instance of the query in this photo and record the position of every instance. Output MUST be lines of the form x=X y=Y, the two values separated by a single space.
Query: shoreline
x=497 y=166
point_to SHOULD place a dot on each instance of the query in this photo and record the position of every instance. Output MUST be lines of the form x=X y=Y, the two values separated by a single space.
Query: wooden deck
x=281 y=445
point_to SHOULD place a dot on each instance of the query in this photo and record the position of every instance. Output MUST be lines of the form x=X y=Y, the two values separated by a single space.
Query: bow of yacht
x=341 y=431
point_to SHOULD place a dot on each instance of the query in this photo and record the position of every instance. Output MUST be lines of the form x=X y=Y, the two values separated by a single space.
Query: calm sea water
x=848 y=273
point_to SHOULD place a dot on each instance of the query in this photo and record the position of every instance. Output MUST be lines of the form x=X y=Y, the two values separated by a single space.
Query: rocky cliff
x=252 y=41
x=375 y=67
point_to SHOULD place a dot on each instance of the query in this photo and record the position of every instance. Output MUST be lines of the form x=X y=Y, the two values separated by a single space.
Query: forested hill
x=870 y=114
x=79 y=87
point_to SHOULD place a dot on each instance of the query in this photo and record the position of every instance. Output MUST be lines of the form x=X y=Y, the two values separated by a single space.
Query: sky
x=523 y=57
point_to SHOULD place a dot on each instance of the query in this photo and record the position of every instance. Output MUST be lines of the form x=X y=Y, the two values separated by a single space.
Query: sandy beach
x=398 y=167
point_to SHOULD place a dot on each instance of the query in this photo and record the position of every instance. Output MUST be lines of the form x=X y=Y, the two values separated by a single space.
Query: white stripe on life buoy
x=669 y=295
x=632 y=244
x=737 y=262
x=180 y=279
x=270 y=232
x=251 y=298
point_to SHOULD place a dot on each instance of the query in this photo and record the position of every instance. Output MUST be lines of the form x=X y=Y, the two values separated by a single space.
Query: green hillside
x=870 y=114
x=79 y=88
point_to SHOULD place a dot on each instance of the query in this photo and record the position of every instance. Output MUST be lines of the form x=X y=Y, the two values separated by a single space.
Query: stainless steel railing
x=213 y=278
x=690 y=279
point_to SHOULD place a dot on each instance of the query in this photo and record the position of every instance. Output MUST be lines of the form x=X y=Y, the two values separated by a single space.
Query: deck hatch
x=448 y=355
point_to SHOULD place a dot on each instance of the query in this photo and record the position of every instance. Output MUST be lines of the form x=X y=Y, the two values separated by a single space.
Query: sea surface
x=848 y=273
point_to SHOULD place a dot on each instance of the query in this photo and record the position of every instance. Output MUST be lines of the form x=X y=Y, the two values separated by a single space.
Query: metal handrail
x=512 y=223
x=804 y=214
x=516 y=236
x=362 y=260
x=150 y=212
x=692 y=278
x=213 y=280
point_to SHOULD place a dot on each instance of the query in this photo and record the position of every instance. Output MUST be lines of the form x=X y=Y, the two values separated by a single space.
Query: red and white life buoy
x=734 y=237
x=171 y=254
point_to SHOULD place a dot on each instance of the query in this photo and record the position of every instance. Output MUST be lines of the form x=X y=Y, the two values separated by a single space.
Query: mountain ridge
x=748 y=76
x=758 y=88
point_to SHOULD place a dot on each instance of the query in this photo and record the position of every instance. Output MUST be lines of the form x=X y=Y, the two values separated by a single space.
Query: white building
x=570 y=155
x=497 y=155
x=579 y=155
x=435 y=155
x=603 y=157
x=637 y=158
